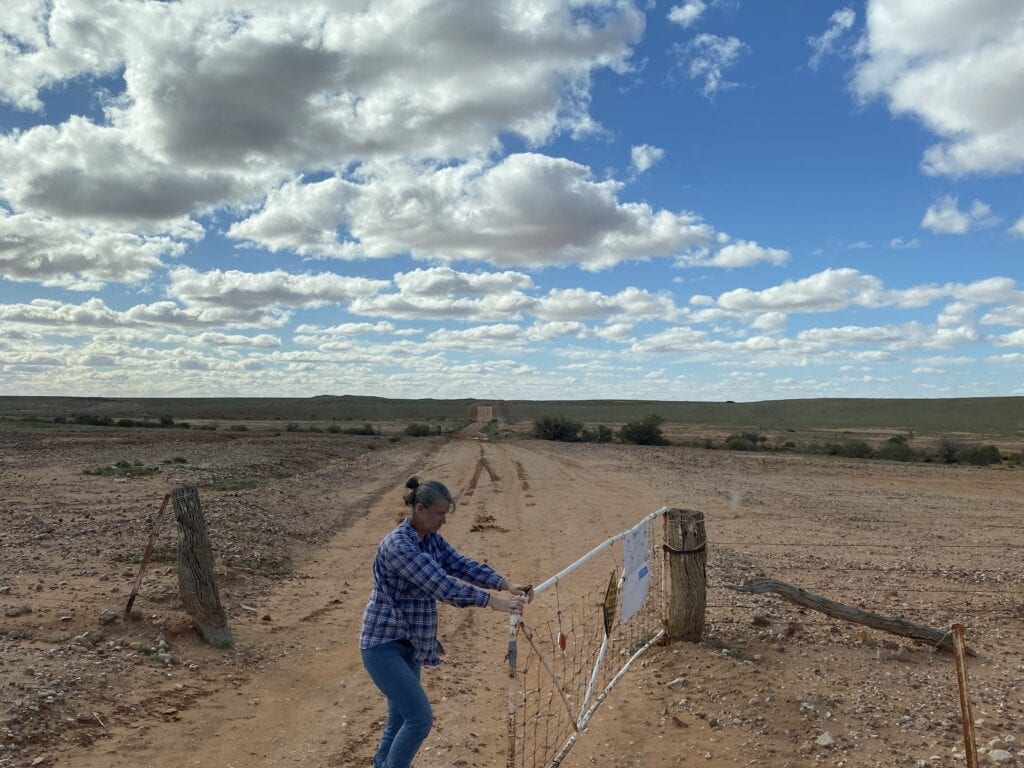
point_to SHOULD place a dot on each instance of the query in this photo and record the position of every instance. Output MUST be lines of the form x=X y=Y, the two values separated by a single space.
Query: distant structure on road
x=484 y=412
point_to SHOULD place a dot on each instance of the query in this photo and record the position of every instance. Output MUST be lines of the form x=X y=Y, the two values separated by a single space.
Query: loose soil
x=295 y=519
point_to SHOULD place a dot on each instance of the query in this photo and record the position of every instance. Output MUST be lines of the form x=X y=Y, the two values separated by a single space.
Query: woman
x=414 y=568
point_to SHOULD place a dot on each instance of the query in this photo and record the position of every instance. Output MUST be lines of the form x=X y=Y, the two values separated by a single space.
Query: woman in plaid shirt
x=414 y=568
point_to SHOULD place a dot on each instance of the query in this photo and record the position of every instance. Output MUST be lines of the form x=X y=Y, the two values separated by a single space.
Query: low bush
x=366 y=429
x=123 y=469
x=851 y=449
x=979 y=455
x=744 y=441
x=92 y=420
x=644 y=432
x=947 y=450
x=897 y=449
x=417 y=430
x=557 y=428
x=603 y=434
x=334 y=429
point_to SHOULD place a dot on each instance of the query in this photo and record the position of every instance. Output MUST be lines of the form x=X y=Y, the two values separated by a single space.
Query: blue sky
x=542 y=199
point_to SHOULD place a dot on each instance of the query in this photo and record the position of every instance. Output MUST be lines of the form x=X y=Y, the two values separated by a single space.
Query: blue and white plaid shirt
x=409 y=577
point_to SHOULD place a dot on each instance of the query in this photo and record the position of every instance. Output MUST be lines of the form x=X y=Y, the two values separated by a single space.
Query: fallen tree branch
x=891 y=624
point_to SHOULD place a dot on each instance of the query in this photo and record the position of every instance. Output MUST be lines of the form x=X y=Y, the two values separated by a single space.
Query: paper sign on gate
x=637 y=574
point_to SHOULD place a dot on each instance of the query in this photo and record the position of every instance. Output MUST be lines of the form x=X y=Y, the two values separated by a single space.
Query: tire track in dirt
x=310 y=702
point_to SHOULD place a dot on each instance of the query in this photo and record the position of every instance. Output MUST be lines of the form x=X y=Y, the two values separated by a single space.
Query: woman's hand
x=506 y=604
x=515 y=589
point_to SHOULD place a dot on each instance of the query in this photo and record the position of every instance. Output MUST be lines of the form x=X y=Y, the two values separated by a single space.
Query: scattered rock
x=1001 y=757
x=107 y=616
x=677 y=684
x=13 y=611
x=825 y=739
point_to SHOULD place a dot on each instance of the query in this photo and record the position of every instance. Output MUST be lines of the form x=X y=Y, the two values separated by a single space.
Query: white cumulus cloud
x=944 y=217
x=686 y=14
x=643 y=156
x=957 y=66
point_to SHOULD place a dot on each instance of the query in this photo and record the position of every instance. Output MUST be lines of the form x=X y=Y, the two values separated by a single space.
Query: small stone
x=91 y=637
x=903 y=654
x=760 y=620
x=1001 y=757
x=86 y=717
x=266 y=617
x=107 y=616
x=677 y=720
x=12 y=611
x=826 y=739
x=677 y=684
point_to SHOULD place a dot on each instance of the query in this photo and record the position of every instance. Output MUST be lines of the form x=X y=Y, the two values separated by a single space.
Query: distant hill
x=971 y=415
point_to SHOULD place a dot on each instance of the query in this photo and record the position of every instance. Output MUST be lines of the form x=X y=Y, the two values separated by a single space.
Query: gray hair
x=427 y=494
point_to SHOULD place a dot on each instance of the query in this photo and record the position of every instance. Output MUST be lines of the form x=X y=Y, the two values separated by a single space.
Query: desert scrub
x=123 y=469
x=424 y=430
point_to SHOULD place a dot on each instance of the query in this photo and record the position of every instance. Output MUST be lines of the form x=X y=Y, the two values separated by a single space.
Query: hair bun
x=412 y=483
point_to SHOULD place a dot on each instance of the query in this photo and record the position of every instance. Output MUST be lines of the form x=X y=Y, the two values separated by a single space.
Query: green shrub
x=334 y=429
x=166 y=421
x=125 y=423
x=896 y=449
x=644 y=432
x=557 y=428
x=979 y=455
x=851 y=449
x=603 y=434
x=93 y=420
x=947 y=450
x=123 y=469
x=366 y=429
x=291 y=426
x=417 y=430
x=745 y=441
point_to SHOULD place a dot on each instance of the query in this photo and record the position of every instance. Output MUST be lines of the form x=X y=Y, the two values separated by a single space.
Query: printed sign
x=637 y=575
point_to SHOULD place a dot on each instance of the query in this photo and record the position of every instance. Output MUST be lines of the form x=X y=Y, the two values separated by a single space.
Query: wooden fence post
x=195 y=569
x=686 y=552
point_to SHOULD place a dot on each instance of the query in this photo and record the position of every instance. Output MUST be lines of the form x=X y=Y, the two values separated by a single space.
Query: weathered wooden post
x=686 y=552
x=195 y=569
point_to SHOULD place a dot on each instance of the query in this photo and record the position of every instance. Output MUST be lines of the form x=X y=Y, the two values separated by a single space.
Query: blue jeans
x=394 y=670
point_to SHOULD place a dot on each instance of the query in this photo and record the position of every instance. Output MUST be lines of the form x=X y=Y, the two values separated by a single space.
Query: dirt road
x=757 y=692
x=316 y=707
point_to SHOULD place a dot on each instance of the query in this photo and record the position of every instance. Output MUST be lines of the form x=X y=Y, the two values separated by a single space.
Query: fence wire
x=566 y=663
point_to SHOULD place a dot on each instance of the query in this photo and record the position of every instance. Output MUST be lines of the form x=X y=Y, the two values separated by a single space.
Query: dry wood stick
x=145 y=556
x=891 y=624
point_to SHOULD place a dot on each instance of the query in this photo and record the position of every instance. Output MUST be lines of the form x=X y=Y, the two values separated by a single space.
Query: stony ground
x=294 y=520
